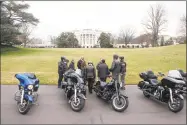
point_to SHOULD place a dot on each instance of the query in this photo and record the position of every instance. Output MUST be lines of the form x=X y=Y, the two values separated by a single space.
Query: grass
x=43 y=61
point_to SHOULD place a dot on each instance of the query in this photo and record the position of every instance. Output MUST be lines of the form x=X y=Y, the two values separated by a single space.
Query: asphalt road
x=54 y=109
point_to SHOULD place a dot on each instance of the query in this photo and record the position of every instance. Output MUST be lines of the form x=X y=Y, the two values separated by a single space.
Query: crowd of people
x=118 y=70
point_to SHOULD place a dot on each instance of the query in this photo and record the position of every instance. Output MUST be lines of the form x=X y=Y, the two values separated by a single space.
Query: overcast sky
x=58 y=16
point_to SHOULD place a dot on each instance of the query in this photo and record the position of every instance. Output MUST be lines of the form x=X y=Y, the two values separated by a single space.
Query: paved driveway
x=53 y=109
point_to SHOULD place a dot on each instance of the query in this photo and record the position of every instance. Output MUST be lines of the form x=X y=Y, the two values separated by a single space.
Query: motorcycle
x=27 y=95
x=74 y=89
x=110 y=92
x=167 y=90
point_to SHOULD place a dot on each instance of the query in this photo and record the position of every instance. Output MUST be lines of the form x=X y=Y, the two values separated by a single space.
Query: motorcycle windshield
x=79 y=79
x=174 y=74
x=69 y=72
x=24 y=79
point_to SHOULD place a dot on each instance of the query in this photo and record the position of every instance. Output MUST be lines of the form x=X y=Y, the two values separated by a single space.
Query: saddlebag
x=141 y=84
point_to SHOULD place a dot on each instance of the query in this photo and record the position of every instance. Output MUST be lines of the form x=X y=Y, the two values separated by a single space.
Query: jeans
x=122 y=78
x=60 y=77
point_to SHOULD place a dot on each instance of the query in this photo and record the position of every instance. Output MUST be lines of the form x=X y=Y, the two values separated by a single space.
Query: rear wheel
x=177 y=104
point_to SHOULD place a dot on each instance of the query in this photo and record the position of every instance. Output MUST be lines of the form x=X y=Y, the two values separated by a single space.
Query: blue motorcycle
x=27 y=95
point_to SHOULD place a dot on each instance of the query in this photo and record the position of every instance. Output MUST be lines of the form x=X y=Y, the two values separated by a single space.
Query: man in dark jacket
x=72 y=65
x=122 y=71
x=90 y=75
x=103 y=71
x=62 y=67
x=97 y=67
x=115 y=68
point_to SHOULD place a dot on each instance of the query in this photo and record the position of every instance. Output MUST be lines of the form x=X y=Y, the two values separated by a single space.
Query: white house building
x=87 y=38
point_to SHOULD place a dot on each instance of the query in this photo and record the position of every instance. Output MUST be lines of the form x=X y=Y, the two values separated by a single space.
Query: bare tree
x=155 y=22
x=126 y=36
x=26 y=31
x=183 y=24
x=53 y=40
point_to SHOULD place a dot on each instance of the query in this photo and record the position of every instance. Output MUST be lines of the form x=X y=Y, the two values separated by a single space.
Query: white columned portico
x=87 y=37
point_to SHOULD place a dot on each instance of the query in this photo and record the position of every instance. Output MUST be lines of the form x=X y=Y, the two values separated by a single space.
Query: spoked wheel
x=78 y=105
x=121 y=104
x=23 y=108
x=177 y=104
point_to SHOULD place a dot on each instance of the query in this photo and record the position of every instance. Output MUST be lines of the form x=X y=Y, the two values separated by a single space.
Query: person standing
x=97 y=67
x=72 y=65
x=115 y=68
x=79 y=63
x=122 y=71
x=103 y=71
x=90 y=75
x=62 y=67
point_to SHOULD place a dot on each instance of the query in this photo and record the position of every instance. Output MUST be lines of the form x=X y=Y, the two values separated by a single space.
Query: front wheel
x=78 y=105
x=120 y=105
x=177 y=104
x=24 y=108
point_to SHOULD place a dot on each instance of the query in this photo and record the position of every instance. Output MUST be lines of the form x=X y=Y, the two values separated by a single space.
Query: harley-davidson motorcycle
x=27 y=94
x=74 y=89
x=167 y=90
x=111 y=92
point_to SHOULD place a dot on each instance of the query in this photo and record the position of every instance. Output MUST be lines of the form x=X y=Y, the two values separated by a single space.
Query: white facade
x=87 y=38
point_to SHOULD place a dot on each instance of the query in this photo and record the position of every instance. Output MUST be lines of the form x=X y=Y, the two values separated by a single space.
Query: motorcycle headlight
x=30 y=87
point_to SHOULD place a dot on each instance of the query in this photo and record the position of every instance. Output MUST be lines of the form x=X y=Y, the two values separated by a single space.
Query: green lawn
x=43 y=61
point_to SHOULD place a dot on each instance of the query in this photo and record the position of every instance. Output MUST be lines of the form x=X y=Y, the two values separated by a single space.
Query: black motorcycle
x=74 y=89
x=167 y=90
x=110 y=92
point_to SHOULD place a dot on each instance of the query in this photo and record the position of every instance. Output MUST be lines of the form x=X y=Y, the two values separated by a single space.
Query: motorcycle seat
x=154 y=82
